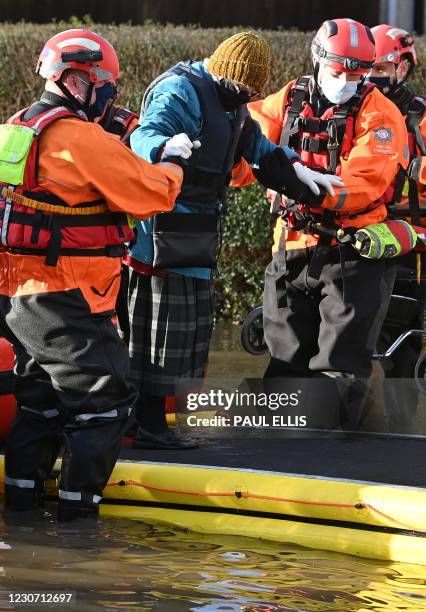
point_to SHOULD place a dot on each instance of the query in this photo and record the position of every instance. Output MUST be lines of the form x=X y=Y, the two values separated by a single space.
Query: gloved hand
x=312 y=179
x=277 y=172
x=179 y=146
x=295 y=181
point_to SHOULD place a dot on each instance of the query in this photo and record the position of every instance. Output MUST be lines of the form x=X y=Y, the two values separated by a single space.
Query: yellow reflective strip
x=52 y=208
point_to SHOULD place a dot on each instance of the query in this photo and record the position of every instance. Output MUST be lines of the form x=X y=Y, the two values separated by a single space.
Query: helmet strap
x=86 y=104
x=74 y=103
x=316 y=71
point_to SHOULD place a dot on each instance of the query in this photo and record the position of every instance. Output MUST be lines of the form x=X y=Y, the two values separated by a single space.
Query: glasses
x=97 y=84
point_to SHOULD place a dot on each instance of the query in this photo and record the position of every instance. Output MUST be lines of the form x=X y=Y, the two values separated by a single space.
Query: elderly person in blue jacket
x=195 y=114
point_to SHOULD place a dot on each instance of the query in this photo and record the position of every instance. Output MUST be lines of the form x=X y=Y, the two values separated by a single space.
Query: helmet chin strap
x=75 y=104
x=316 y=72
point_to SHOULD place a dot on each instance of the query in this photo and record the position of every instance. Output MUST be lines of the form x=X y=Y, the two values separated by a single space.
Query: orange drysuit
x=242 y=174
x=80 y=162
x=367 y=170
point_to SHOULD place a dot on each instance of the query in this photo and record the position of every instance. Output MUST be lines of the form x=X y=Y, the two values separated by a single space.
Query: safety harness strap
x=8 y=193
x=116 y=250
x=299 y=96
x=321 y=254
x=290 y=126
x=413 y=202
x=414 y=116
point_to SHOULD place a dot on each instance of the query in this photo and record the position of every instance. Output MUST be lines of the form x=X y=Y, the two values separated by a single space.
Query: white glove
x=312 y=179
x=180 y=146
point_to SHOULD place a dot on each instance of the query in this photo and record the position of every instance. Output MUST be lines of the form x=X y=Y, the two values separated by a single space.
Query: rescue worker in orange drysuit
x=66 y=185
x=323 y=303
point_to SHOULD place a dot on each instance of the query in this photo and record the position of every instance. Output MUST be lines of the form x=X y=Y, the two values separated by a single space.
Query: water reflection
x=129 y=565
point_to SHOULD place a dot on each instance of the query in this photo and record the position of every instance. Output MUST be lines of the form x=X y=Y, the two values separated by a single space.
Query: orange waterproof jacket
x=242 y=174
x=367 y=170
x=80 y=162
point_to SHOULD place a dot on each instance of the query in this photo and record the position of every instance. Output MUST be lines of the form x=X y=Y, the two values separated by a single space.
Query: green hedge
x=144 y=53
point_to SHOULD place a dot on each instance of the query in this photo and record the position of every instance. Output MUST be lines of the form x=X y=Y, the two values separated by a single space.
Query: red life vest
x=322 y=141
x=119 y=121
x=34 y=221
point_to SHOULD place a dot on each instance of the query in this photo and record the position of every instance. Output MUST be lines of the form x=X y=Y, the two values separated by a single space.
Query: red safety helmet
x=392 y=44
x=344 y=44
x=78 y=49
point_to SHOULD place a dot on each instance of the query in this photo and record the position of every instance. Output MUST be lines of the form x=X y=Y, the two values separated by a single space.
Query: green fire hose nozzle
x=385 y=240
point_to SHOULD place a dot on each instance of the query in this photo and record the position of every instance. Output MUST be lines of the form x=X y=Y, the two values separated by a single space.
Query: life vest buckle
x=333 y=141
x=311 y=145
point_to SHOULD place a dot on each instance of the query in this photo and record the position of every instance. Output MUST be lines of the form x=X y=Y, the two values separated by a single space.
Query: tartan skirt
x=171 y=323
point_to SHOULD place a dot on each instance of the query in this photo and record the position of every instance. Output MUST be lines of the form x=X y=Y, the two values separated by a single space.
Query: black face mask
x=103 y=96
x=231 y=97
x=385 y=84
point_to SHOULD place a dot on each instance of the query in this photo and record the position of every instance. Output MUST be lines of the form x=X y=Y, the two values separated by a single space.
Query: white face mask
x=337 y=90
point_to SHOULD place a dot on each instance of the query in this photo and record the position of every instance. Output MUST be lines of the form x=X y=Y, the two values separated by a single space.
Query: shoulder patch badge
x=381 y=141
x=383 y=134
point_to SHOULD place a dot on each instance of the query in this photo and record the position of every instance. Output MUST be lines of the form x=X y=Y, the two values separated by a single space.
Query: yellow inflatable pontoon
x=364 y=498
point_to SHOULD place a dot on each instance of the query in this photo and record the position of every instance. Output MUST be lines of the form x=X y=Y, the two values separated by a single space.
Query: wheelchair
x=401 y=311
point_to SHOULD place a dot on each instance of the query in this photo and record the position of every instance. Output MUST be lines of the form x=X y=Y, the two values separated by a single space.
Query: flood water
x=127 y=565
x=118 y=564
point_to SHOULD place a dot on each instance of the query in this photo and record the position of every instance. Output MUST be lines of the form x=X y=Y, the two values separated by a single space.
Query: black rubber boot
x=23 y=499
x=70 y=510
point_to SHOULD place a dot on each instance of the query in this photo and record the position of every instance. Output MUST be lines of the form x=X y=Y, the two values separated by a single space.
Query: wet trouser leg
x=90 y=453
x=35 y=437
x=290 y=316
x=33 y=444
x=73 y=362
x=328 y=325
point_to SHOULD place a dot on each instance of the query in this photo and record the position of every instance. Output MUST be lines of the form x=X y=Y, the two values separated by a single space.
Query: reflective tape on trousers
x=96 y=415
x=20 y=482
x=76 y=496
x=48 y=414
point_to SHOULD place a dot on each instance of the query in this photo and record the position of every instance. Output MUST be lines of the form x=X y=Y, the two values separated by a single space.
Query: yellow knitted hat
x=244 y=58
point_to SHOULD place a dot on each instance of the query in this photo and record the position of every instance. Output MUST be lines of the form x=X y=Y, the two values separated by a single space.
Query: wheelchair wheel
x=252 y=337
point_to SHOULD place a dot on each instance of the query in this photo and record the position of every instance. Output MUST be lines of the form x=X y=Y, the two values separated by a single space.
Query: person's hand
x=312 y=179
x=179 y=146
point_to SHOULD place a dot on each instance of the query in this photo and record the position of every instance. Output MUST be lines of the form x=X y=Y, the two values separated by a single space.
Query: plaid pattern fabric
x=171 y=322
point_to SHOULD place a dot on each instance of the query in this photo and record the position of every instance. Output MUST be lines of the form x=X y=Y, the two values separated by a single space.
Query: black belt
x=118 y=250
